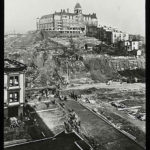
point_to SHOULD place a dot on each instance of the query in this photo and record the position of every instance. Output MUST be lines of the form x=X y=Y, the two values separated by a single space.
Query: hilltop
x=48 y=52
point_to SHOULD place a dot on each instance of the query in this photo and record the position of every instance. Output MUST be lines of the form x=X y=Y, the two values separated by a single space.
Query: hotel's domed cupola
x=77 y=9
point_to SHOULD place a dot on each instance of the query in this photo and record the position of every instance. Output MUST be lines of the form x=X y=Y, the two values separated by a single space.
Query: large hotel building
x=67 y=22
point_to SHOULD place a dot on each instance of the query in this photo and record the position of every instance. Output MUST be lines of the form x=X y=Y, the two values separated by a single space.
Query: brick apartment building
x=14 y=88
x=107 y=34
x=111 y=35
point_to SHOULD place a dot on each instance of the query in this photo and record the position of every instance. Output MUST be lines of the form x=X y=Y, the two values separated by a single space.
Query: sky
x=126 y=15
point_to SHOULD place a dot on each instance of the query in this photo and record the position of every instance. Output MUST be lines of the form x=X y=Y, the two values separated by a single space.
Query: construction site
x=71 y=88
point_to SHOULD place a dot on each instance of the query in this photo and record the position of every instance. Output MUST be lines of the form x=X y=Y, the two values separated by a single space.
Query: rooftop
x=56 y=117
x=62 y=141
x=68 y=13
x=90 y=15
x=64 y=12
x=47 y=16
x=12 y=65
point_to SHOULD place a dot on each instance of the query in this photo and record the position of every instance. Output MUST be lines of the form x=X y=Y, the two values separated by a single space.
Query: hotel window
x=14 y=81
x=13 y=97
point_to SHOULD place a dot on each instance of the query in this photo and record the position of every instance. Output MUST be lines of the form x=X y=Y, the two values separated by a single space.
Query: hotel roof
x=47 y=16
x=68 y=13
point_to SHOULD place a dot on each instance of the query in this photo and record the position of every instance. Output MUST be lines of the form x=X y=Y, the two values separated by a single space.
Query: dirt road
x=113 y=85
x=107 y=136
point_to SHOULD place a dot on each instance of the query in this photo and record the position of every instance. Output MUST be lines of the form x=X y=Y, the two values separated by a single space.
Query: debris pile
x=73 y=122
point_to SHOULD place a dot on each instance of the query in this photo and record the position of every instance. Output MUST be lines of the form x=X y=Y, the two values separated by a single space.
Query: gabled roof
x=12 y=65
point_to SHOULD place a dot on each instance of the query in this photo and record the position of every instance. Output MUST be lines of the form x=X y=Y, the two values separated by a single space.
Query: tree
x=72 y=44
x=47 y=73
x=43 y=79
x=74 y=47
x=45 y=57
x=120 y=49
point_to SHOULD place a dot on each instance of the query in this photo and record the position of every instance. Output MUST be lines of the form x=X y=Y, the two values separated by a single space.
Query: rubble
x=88 y=70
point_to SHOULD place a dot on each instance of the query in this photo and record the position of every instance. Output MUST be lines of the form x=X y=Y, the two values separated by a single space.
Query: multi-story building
x=113 y=35
x=134 y=37
x=67 y=22
x=118 y=36
x=134 y=45
x=127 y=45
x=14 y=88
x=107 y=34
x=92 y=31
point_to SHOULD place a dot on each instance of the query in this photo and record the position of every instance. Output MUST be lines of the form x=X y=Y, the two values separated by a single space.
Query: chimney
x=61 y=10
x=67 y=10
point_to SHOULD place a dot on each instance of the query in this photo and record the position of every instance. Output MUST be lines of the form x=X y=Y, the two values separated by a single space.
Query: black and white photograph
x=74 y=75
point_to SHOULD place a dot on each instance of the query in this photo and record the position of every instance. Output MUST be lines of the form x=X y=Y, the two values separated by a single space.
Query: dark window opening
x=82 y=29
x=13 y=111
x=14 y=81
x=13 y=97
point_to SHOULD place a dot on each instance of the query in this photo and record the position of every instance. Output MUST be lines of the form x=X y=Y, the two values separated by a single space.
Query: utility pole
x=67 y=71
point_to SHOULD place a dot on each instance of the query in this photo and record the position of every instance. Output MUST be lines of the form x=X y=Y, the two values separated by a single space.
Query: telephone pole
x=67 y=70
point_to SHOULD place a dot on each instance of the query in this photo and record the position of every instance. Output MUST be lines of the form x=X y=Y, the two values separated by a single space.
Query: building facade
x=111 y=35
x=119 y=36
x=67 y=22
x=127 y=45
x=92 y=31
x=134 y=45
x=14 y=88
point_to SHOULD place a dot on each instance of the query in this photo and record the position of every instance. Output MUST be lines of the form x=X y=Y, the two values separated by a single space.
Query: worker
x=75 y=97
x=108 y=82
x=65 y=98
